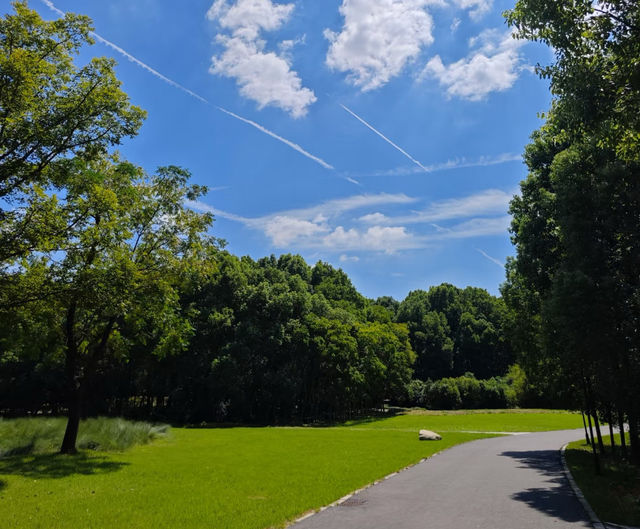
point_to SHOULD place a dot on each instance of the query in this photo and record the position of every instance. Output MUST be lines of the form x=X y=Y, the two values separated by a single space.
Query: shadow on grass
x=58 y=466
x=555 y=500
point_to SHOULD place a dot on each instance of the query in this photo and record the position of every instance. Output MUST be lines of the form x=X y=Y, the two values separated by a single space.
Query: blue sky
x=381 y=136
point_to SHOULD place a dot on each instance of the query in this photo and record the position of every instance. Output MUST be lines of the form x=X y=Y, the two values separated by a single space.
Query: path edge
x=339 y=501
x=593 y=517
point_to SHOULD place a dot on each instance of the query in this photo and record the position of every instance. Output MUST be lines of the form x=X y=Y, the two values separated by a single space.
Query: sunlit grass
x=231 y=478
x=614 y=495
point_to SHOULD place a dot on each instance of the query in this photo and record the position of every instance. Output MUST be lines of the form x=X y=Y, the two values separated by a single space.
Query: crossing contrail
x=177 y=85
x=294 y=146
x=386 y=139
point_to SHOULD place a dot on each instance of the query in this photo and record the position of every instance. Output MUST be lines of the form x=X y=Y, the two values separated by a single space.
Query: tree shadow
x=557 y=499
x=55 y=466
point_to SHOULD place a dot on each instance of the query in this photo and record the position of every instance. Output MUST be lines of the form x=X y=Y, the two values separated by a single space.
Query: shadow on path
x=58 y=466
x=557 y=500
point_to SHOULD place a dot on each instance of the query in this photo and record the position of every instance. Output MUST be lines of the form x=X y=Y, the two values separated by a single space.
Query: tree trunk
x=611 y=435
x=599 y=433
x=586 y=433
x=73 y=423
x=73 y=381
x=596 y=459
x=623 y=440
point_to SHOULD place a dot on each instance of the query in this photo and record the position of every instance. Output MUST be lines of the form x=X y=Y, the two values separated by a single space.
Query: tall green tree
x=129 y=246
x=51 y=112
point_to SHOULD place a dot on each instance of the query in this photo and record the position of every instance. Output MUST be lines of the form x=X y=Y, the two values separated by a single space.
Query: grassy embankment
x=615 y=495
x=233 y=478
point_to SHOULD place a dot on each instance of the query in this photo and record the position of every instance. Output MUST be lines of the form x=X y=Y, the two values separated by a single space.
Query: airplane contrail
x=177 y=85
x=386 y=139
x=492 y=259
x=294 y=146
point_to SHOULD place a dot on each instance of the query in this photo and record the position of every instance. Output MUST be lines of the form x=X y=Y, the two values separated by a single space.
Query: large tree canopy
x=52 y=112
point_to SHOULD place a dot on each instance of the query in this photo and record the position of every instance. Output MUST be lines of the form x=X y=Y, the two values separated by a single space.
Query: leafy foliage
x=575 y=283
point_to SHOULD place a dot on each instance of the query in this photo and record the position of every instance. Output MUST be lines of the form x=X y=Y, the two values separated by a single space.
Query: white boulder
x=428 y=435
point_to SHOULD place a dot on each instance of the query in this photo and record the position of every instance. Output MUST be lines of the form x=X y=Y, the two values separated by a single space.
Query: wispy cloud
x=291 y=144
x=479 y=227
x=492 y=259
x=457 y=163
x=485 y=203
x=395 y=146
x=177 y=85
x=329 y=227
x=318 y=226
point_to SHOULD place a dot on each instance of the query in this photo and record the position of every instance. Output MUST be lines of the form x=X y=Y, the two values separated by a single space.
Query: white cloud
x=283 y=230
x=325 y=227
x=455 y=24
x=344 y=258
x=478 y=8
x=378 y=38
x=338 y=206
x=493 y=66
x=263 y=76
x=373 y=218
x=246 y=18
x=376 y=238
x=486 y=203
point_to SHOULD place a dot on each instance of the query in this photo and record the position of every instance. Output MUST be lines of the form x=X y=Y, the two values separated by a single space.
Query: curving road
x=513 y=482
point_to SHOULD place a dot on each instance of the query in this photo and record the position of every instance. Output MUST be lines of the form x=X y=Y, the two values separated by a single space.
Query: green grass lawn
x=615 y=495
x=230 y=478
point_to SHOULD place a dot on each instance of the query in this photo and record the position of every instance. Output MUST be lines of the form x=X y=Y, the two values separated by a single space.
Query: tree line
x=575 y=282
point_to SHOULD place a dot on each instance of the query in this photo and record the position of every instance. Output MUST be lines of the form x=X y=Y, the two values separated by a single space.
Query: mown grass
x=614 y=495
x=40 y=435
x=232 y=478
x=479 y=420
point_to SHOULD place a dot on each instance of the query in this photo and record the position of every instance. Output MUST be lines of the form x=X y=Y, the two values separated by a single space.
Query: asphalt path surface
x=514 y=482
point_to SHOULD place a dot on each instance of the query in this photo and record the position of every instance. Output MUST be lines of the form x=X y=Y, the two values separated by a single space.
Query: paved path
x=514 y=482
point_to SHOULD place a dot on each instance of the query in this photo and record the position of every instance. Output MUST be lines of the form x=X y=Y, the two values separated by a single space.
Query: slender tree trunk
x=73 y=381
x=586 y=433
x=623 y=440
x=598 y=433
x=594 y=450
x=611 y=435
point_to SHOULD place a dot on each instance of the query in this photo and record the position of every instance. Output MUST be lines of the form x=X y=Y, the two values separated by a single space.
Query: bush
x=470 y=393
x=416 y=392
x=44 y=434
x=444 y=395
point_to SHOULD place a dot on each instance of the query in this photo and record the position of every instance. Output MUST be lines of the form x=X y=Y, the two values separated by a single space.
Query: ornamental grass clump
x=38 y=435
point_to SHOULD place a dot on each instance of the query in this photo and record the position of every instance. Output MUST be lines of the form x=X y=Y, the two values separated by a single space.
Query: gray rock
x=428 y=435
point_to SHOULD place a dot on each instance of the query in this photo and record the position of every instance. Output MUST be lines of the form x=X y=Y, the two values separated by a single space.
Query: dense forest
x=270 y=341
